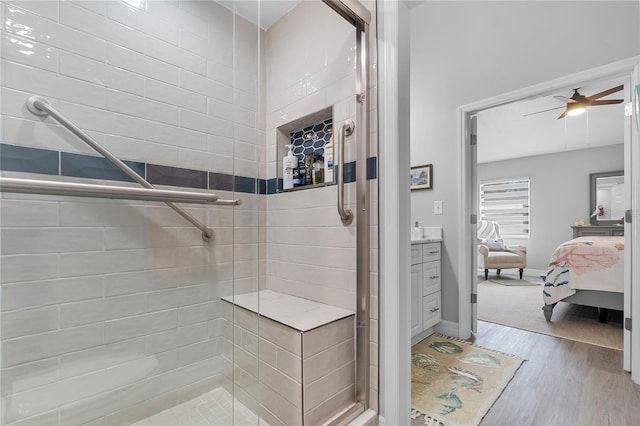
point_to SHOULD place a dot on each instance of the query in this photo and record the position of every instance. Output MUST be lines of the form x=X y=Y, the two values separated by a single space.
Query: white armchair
x=495 y=253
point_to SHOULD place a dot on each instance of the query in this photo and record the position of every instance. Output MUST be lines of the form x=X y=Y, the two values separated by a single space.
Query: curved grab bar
x=345 y=130
x=40 y=106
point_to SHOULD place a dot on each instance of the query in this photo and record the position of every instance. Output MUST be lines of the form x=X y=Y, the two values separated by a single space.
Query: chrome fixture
x=47 y=187
x=345 y=130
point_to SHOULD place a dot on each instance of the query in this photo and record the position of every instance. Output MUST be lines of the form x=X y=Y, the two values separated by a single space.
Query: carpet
x=508 y=280
x=454 y=383
x=521 y=307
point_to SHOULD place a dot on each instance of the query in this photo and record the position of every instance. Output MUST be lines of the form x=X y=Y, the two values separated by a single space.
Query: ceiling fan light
x=576 y=111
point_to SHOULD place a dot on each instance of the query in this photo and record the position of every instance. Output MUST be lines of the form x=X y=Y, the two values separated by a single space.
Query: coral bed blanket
x=585 y=263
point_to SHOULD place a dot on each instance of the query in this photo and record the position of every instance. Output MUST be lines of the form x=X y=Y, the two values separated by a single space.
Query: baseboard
x=448 y=328
x=422 y=335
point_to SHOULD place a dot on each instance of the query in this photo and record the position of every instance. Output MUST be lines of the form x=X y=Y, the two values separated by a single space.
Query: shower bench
x=293 y=357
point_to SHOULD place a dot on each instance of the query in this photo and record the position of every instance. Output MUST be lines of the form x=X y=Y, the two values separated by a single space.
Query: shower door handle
x=345 y=130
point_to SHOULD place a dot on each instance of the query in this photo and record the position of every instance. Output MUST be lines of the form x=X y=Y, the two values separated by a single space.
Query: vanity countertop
x=426 y=240
x=426 y=234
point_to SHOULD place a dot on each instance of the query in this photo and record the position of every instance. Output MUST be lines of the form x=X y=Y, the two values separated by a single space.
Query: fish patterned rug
x=454 y=383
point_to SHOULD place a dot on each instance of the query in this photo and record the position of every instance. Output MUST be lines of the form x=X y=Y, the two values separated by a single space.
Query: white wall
x=559 y=185
x=463 y=52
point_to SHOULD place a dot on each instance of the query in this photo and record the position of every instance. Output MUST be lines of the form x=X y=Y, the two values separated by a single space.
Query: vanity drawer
x=617 y=232
x=431 y=277
x=430 y=252
x=431 y=310
x=594 y=232
x=416 y=253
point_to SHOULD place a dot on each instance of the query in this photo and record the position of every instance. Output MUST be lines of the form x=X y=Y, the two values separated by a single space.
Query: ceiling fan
x=578 y=103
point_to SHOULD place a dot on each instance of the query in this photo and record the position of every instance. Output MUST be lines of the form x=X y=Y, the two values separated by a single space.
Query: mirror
x=606 y=199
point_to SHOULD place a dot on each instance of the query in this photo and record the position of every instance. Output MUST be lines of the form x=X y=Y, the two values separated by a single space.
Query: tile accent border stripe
x=85 y=166
x=30 y=160
x=44 y=161
x=175 y=176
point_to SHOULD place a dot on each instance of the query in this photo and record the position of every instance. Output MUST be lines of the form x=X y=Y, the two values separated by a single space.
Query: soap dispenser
x=289 y=163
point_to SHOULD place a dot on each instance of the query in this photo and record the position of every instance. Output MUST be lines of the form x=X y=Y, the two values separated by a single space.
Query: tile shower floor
x=210 y=409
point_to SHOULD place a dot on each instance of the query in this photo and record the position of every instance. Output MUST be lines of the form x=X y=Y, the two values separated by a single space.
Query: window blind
x=507 y=202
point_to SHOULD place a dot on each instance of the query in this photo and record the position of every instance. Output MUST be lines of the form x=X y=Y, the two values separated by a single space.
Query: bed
x=586 y=271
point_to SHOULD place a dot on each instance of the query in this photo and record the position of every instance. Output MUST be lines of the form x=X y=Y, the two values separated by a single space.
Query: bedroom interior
x=560 y=155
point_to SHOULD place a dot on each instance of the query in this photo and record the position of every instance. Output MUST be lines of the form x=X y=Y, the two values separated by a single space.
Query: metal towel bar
x=40 y=106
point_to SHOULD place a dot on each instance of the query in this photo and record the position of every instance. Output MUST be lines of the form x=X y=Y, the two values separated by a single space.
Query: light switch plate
x=437 y=207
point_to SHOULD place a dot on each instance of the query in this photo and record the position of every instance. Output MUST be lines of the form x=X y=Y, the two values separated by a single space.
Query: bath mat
x=454 y=383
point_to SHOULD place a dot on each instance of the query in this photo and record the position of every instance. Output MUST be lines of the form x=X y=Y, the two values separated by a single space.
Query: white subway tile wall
x=310 y=253
x=170 y=57
x=110 y=310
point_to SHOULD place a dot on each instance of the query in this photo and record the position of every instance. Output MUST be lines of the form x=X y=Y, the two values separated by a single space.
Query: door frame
x=634 y=226
x=467 y=172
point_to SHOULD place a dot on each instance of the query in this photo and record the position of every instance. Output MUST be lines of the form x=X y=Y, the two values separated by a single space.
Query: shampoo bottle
x=289 y=163
x=308 y=167
x=328 y=159
x=302 y=173
x=318 y=170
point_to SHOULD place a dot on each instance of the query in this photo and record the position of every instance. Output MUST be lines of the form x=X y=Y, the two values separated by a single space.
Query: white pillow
x=496 y=245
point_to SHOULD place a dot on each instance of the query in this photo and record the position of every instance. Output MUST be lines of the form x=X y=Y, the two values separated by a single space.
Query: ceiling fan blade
x=544 y=110
x=606 y=102
x=563 y=98
x=563 y=115
x=605 y=93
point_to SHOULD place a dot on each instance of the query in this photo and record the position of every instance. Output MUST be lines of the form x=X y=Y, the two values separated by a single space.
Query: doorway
x=469 y=179
x=533 y=180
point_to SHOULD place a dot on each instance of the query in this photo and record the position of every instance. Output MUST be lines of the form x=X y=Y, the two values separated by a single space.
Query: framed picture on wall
x=422 y=177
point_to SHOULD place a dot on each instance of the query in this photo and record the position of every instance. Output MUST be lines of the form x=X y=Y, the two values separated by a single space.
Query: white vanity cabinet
x=425 y=288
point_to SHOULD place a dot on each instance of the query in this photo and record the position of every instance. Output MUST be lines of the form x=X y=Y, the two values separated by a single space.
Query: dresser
x=599 y=230
x=425 y=289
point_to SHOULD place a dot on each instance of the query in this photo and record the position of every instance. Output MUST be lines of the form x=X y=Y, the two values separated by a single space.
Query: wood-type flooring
x=561 y=383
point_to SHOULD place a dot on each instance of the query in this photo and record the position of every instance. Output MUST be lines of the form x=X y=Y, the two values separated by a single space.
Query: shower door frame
x=360 y=18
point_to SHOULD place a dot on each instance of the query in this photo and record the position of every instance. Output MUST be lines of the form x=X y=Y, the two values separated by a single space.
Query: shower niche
x=312 y=141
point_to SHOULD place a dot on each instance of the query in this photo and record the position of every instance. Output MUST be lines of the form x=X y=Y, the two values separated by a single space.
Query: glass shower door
x=112 y=310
